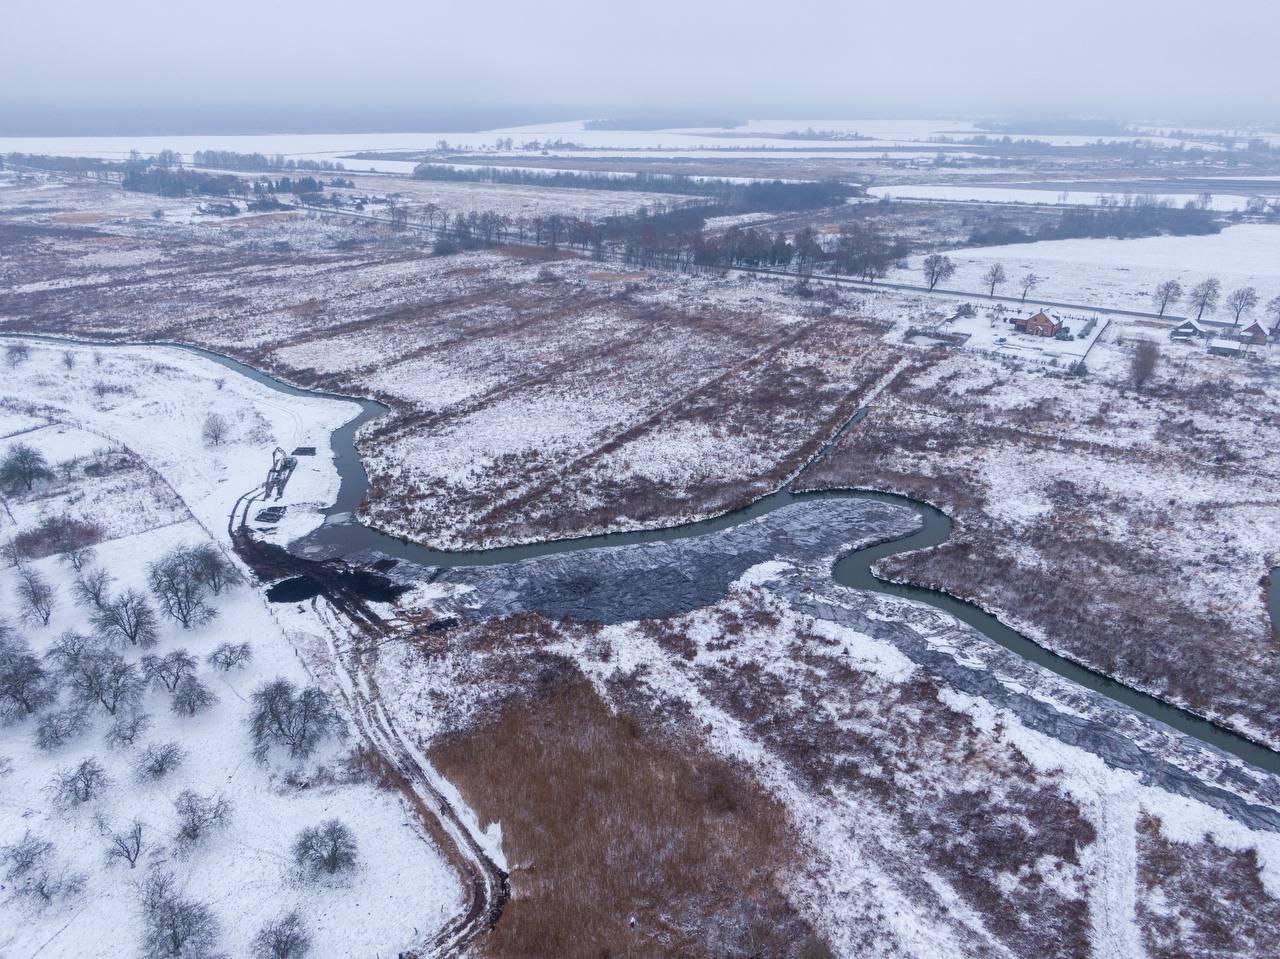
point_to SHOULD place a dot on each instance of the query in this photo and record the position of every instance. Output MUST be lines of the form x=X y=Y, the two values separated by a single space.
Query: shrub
x=328 y=848
x=198 y=816
x=126 y=729
x=228 y=656
x=191 y=697
x=78 y=785
x=175 y=927
x=58 y=726
x=282 y=938
x=158 y=760
x=283 y=716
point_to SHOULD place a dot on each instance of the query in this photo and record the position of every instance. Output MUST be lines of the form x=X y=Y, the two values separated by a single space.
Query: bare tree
x=57 y=727
x=994 y=276
x=68 y=360
x=16 y=354
x=282 y=715
x=175 y=927
x=1273 y=311
x=22 y=467
x=78 y=785
x=1028 y=283
x=125 y=845
x=25 y=686
x=1204 y=296
x=1241 y=301
x=168 y=670
x=282 y=938
x=215 y=429
x=128 y=618
x=191 y=697
x=199 y=815
x=79 y=556
x=68 y=649
x=126 y=728
x=103 y=676
x=1145 y=356
x=329 y=848
x=36 y=594
x=214 y=569
x=177 y=581
x=228 y=656
x=92 y=588
x=1167 y=294
x=938 y=268
x=158 y=760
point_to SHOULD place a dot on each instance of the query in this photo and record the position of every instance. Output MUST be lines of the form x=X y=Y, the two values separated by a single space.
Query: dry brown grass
x=83 y=218
x=1202 y=899
x=604 y=820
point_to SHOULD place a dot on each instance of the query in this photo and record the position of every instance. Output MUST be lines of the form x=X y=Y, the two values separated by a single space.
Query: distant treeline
x=1118 y=222
x=764 y=196
x=258 y=162
x=177 y=182
x=60 y=164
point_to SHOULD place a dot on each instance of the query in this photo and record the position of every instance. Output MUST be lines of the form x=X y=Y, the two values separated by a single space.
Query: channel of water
x=342 y=535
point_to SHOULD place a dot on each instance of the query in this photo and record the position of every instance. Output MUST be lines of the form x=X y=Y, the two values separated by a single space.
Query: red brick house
x=1255 y=333
x=1041 y=324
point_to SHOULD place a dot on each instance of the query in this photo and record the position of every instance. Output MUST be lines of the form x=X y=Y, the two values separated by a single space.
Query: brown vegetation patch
x=623 y=843
x=1202 y=899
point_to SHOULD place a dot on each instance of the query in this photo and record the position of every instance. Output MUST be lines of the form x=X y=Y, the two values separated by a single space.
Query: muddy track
x=355 y=630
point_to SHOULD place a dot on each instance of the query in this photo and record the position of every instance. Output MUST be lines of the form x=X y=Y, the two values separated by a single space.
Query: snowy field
x=179 y=493
x=1122 y=274
x=754 y=134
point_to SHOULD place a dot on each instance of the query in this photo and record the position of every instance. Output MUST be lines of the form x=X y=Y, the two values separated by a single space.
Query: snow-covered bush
x=198 y=816
x=228 y=656
x=35 y=874
x=175 y=927
x=191 y=697
x=282 y=938
x=126 y=728
x=282 y=715
x=158 y=760
x=77 y=785
x=328 y=848
x=58 y=726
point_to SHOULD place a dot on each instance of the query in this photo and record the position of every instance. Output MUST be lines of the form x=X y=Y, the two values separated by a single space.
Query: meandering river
x=343 y=535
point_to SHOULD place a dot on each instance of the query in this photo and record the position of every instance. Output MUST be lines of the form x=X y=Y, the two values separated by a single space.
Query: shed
x=1188 y=330
x=1226 y=347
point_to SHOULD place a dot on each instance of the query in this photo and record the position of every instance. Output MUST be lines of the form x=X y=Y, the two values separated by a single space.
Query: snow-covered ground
x=1124 y=273
x=403 y=887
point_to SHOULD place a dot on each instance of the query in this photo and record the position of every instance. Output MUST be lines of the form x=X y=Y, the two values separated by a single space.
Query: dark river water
x=342 y=535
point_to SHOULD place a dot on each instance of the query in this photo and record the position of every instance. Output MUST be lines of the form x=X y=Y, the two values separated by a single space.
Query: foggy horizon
x=135 y=68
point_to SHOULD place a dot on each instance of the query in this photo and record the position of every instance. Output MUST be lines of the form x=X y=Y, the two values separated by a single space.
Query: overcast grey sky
x=1168 y=59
